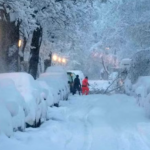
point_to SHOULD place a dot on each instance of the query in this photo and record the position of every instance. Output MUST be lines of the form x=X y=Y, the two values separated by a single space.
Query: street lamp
x=19 y=43
x=64 y=60
x=55 y=57
x=59 y=59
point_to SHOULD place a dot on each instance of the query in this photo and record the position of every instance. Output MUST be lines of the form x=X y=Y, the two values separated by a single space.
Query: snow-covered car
x=14 y=103
x=6 y=126
x=31 y=93
x=56 y=78
x=47 y=92
x=62 y=76
x=47 y=98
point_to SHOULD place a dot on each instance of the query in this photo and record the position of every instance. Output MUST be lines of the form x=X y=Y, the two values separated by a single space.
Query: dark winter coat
x=77 y=84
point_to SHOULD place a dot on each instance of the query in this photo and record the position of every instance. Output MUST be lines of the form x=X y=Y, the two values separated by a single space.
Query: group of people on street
x=76 y=86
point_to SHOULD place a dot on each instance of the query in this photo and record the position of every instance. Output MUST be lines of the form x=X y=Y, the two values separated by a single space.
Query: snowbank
x=98 y=86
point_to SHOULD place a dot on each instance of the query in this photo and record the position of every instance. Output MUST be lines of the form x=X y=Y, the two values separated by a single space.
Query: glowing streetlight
x=64 y=60
x=59 y=59
x=55 y=57
x=19 y=43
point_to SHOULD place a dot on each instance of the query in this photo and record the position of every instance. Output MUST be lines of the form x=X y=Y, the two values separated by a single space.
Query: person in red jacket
x=85 y=88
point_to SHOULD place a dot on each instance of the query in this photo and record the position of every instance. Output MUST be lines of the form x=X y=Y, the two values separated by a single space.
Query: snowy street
x=53 y=50
x=94 y=122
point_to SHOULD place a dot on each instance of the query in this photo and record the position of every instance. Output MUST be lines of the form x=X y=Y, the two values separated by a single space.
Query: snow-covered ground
x=94 y=122
x=98 y=86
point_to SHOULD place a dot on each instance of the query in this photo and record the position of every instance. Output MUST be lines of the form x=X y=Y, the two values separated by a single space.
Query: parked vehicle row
x=24 y=101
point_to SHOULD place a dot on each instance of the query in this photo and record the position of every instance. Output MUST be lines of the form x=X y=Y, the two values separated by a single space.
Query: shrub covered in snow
x=141 y=90
x=140 y=65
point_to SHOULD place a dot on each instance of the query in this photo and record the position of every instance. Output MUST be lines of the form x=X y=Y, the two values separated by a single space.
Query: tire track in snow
x=88 y=134
x=72 y=121
x=84 y=124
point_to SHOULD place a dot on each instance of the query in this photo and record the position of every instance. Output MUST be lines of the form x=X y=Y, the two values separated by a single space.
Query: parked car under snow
x=31 y=93
x=14 y=106
x=56 y=78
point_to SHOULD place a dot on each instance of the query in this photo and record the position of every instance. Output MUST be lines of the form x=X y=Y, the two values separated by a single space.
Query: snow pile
x=98 y=86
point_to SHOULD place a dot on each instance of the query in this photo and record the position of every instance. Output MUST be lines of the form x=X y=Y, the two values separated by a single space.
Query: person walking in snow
x=77 y=85
x=85 y=88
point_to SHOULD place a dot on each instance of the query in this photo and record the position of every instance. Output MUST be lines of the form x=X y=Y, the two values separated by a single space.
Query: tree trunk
x=35 y=48
x=9 y=36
